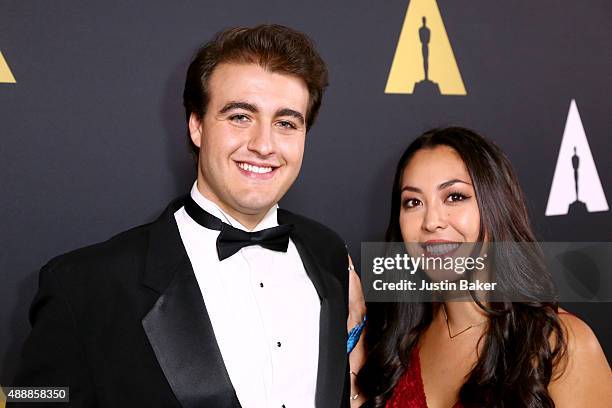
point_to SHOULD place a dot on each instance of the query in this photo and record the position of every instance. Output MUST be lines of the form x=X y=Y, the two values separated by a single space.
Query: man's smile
x=260 y=171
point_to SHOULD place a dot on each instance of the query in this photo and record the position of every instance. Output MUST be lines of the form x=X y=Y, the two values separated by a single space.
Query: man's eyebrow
x=252 y=108
x=239 y=105
x=292 y=113
x=440 y=187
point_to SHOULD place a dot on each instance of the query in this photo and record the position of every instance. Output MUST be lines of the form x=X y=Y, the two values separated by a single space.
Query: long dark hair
x=517 y=359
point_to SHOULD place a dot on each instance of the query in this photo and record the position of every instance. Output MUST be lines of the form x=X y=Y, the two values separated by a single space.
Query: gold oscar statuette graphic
x=424 y=62
x=6 y=76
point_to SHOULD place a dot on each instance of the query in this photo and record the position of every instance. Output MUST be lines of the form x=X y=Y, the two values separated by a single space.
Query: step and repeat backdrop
x=93 y=139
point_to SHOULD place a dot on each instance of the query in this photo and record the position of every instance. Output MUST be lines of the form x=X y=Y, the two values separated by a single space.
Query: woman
x=452 y=185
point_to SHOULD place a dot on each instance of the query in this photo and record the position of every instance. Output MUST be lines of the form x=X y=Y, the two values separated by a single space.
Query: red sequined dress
x=409 y=391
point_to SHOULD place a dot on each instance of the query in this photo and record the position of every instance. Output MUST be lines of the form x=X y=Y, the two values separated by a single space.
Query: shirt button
x=278 y=344
x=261 y=284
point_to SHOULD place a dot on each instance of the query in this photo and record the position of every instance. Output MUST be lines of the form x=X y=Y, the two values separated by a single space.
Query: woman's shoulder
x=584 y=377
x=580 y=339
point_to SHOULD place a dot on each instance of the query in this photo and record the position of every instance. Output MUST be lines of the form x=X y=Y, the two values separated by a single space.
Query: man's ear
x=195 y=129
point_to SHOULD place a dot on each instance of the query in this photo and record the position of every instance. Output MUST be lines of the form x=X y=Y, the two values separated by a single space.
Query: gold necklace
x=452 y=336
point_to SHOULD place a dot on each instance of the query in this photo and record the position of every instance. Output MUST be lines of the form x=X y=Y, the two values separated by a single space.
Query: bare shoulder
x=582 y=343
x=584 y=377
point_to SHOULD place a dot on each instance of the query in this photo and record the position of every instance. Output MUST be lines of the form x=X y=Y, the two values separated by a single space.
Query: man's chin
x=255 y=207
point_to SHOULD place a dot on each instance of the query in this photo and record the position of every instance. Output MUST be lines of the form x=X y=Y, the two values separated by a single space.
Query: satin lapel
x=178 y=326
x=332 y=365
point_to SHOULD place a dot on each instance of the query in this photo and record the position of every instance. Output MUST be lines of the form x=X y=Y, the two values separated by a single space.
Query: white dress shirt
x=264 y=312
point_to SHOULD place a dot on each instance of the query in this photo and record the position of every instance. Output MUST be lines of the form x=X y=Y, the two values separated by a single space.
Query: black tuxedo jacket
x=123 y=322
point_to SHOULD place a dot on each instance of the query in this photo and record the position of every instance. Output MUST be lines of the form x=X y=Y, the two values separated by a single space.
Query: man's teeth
x=438 y=249
x=254 y=169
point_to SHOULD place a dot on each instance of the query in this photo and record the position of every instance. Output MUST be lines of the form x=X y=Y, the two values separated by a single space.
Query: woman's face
x=438 y=203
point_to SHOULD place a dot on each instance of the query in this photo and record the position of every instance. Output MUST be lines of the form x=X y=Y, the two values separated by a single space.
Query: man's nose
x=262 y=140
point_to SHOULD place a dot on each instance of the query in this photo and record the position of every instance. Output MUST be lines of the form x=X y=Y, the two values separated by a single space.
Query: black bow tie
x=231 y=239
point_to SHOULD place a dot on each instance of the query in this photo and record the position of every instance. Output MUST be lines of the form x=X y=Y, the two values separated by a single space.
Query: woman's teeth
x=439 y=249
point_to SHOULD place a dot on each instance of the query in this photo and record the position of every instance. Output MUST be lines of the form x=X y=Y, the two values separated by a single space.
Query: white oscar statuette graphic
x=576 y=186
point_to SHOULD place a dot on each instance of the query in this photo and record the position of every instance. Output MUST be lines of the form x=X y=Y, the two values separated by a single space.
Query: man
x=225 y=300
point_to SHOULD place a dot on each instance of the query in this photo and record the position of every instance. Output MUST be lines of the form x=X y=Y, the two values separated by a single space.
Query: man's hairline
x=206 y=81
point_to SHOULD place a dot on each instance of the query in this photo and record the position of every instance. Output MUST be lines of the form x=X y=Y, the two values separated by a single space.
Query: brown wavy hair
x=275 y=48
x=516 y=364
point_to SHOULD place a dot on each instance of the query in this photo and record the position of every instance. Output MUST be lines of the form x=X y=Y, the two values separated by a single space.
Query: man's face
x=251 y=138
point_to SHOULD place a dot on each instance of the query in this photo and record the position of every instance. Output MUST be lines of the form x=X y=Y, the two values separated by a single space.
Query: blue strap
x=354 y=335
